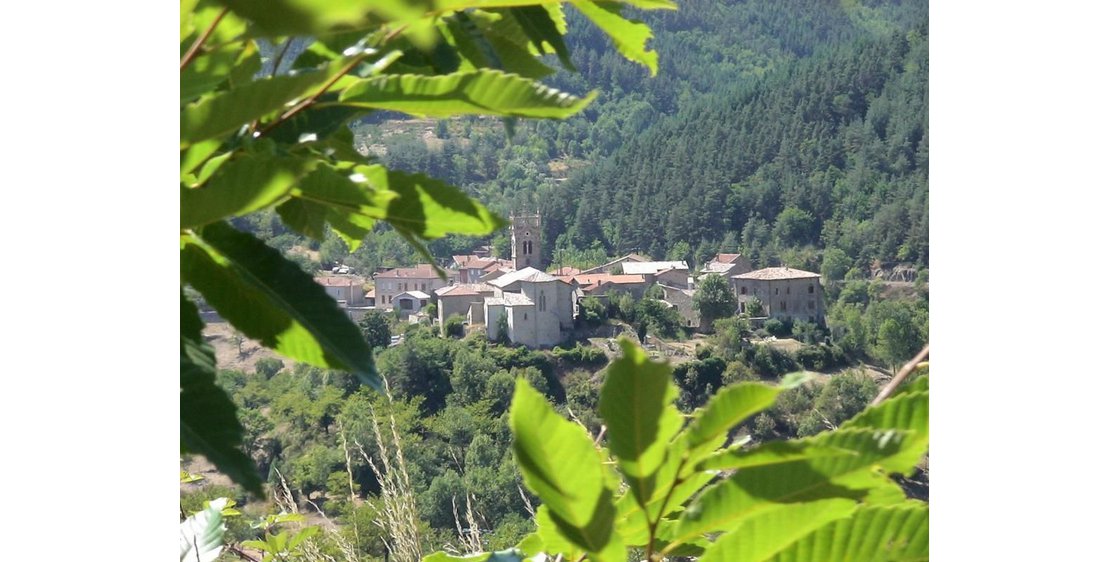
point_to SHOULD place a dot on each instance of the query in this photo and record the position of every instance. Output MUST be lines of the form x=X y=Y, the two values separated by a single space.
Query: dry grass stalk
x=397 y=516
x=311 y=546
x=527 y=503
x=470 y=539
x=350 y=480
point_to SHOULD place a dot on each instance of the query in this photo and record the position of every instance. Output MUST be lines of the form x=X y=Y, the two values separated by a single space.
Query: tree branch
x=312 y=99
x=195 y=47
x=240 y=553
x=902 y=374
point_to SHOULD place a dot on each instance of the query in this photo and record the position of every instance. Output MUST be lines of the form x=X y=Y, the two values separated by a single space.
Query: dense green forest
x=805 y=129
x=778 y=130
x=315 y=428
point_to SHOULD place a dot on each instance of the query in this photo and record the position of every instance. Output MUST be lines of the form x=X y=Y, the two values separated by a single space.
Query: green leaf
x=302 y=535
x=202 y=534
x=725 y=410
x=768 y=533
x=762 y=486
x=874 y=534
x=310 y=17
x=429 y=208
x=629 y=36
x=209 y=70
x=560 y=465
x=240 y=186
x=481 y=42
x=531 y=544
x=652 y=4
x=187 y=25
x=542 y=31
x=228 y=111
x=209 y=425
x=554 y=541
x=907 y=411
x=197 y=154
x=483 y=92
x=270 y=299
x=637 y=404
x=188 y=477
x=317 y=122
x=326 y=195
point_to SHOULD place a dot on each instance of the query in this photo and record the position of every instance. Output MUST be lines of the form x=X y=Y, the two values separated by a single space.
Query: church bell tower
x=526 y=240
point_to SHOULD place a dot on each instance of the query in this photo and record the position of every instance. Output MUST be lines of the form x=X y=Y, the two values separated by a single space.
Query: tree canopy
x=714 y=298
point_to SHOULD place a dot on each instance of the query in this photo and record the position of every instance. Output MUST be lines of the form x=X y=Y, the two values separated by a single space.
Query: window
x=423 y=287
x=423 y=302
x=742 y=308
x=811 y=305
x=776 y=290
x=406 y=304
x=783 y=308
x=525 y=315
x=811 y=289
x=743 y=290
x=543 y=302
x=788 y=289
x=390 y=299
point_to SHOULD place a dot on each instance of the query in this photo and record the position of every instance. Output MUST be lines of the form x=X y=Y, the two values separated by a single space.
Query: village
x=541 y=307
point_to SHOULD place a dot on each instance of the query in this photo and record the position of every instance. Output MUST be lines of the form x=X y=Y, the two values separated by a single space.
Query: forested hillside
x=779 y=129
x=831 y=151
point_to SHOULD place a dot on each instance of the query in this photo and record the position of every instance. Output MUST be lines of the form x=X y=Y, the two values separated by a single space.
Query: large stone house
x=390 y=284
x=784 y=293
x=349 y=292
x=539 y=307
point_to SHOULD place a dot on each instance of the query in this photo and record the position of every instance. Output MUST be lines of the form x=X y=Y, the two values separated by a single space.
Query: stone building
x=411 y=302
x=526 y=240
x=464 y=299
x=539 y=307
x=390 y=284
x=682 y=300
x=345 y=289
x=726 y=265
x=784 y=292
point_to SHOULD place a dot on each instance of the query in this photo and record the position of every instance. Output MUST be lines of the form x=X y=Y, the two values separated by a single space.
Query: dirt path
x=231 y=354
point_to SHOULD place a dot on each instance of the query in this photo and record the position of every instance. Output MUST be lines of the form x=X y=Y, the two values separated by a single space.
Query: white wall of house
x=386 y=289
x=492 y=313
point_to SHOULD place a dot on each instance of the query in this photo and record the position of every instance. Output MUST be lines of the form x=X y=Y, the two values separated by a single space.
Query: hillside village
x=540 y=308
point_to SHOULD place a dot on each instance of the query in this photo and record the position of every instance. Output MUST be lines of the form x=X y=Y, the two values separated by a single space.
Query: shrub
x=580 y=354
x=771 y=362
x=454 y=326
x=268 y=367
x=593 y=312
